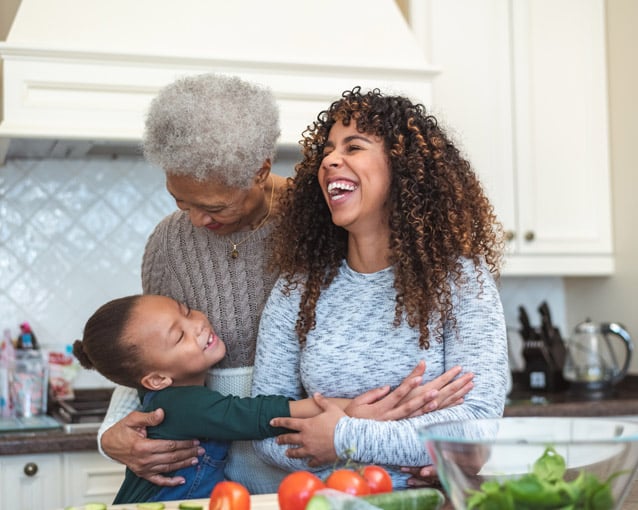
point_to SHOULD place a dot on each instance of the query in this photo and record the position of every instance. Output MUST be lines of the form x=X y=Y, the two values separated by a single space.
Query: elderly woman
x=215 y=137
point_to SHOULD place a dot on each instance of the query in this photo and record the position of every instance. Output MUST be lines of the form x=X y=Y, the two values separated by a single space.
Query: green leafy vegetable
x=545 y=488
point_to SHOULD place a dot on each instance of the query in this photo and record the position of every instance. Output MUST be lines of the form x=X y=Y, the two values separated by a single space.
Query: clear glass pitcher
x=592 y=357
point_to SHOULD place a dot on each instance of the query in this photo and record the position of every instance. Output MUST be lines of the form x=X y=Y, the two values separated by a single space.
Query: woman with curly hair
x=388 y=251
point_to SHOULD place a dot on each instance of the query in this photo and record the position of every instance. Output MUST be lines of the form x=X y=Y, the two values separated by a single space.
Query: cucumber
x=88 y=506
x=150 y=506
x=410 y=499
x=186 y=505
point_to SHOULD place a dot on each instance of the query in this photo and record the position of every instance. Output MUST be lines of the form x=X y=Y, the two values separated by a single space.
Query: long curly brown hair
x=439 y=213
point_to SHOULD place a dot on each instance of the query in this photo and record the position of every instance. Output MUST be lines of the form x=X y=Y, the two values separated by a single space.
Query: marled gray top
x=355 y=347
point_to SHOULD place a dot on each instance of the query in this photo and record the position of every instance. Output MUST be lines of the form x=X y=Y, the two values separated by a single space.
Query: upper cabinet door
x=522 y=89
x=561 y=144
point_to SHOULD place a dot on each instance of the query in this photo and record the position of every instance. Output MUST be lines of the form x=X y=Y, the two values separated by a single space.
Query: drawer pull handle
x=30 y=469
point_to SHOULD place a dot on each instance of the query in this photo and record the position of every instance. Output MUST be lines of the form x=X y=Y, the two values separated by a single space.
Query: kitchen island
x=269 y=502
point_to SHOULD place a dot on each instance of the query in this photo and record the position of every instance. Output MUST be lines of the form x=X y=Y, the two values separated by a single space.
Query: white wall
x=615 y=298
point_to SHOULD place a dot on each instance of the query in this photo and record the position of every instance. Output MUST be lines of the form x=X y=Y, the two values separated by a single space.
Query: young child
x=164 y=349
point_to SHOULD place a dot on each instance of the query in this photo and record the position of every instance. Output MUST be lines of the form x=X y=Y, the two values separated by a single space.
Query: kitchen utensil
x=543 y=351
x=469 y=453
x=591 y=366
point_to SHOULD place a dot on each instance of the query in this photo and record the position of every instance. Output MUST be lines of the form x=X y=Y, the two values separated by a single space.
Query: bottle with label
x=26 y=339
x=7 y=362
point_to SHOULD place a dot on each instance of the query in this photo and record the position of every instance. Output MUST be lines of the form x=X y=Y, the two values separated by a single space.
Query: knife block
x=542 y=374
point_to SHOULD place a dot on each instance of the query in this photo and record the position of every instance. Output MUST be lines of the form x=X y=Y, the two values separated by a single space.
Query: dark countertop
x=55 y=441
x=623 y=401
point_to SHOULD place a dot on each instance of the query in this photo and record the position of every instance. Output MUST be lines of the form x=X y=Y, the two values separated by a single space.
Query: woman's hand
x=451 y=389
x=127 y=443
x=314 y=438
x=424 y=476
x=411 y=398
x=404 y=401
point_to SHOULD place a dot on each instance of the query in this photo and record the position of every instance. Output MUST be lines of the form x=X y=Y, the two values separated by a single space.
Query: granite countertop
x=623 y=401
x=51 y=441
x=521 y=402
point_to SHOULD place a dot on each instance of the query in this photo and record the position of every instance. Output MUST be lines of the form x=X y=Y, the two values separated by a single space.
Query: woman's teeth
x=337 y=188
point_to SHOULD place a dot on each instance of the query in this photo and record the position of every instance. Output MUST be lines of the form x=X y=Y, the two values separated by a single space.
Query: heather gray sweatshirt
x=355 y=348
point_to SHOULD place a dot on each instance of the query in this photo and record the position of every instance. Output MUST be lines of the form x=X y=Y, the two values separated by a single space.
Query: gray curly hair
x=212 y=126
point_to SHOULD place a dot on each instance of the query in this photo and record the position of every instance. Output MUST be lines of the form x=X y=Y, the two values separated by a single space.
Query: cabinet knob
x=509 y=235
x=529 y=236
x=30 y=469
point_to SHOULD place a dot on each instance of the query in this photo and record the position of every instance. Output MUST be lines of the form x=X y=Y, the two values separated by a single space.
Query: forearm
x=307 y=407
x=271 y=453
x=123 y=401
x=393 y=442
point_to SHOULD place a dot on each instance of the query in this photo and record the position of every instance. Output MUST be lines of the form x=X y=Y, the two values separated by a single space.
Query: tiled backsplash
x=72 y=233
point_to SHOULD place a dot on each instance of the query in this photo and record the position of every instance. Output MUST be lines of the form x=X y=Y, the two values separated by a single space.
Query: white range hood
x=85 y=70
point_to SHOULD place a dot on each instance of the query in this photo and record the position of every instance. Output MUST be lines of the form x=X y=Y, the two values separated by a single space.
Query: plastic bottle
x=7 y=362
x=26 y=339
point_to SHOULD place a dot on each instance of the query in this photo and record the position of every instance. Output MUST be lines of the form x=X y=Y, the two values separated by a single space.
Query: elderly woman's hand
x=126 y=442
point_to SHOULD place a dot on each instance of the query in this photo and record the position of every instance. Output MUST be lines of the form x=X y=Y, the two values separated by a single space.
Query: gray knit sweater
x=194 y=266
x=355 y=347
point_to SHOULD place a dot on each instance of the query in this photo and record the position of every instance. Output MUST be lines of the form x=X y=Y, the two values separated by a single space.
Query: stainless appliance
x=592 y=367
x=87 y=406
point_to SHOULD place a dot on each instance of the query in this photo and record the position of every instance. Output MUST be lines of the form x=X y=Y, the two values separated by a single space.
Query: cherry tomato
x=378 y=479
x=346 y=480
x=296 y=489
x=228 y=495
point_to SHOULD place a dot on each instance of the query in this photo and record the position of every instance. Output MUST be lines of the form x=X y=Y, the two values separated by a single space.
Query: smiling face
x=220 y=208
x=355 y=179
x=178 y=344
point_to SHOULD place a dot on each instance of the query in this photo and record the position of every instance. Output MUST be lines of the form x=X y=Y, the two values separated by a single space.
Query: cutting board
x=257 y=502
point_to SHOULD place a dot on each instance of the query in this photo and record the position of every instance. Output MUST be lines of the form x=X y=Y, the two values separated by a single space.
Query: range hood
x=79 y=74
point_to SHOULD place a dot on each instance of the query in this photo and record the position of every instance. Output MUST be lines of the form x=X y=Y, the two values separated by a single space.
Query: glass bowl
x=535 y=462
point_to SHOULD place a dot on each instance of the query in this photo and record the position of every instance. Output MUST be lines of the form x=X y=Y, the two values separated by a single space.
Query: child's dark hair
x=104 y=346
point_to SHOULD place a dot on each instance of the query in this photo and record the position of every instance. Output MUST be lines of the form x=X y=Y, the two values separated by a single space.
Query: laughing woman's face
x=355 y=179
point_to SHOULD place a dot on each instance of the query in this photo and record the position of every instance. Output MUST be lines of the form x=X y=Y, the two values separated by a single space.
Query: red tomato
x=296 y=489
x=346 y=480
x=378 y=479
x=228 y=495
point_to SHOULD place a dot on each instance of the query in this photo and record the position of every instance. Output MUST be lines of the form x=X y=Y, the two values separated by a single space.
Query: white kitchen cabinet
x=57 y=480
x=31 y=482
x=522 y=89
x=89 y=477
